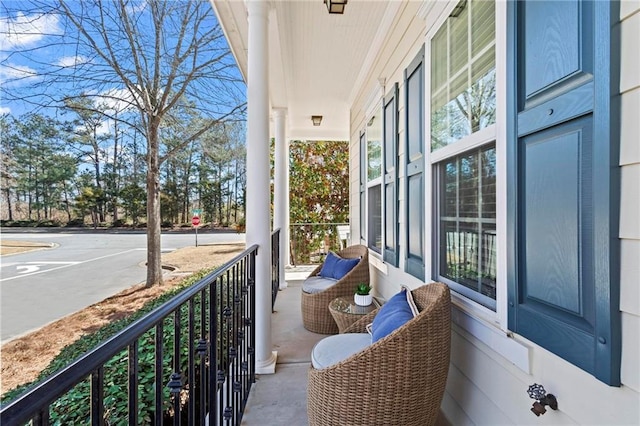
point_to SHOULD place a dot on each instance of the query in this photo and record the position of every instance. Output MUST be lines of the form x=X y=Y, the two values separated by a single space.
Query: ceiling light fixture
x=335 y=6
x=316 y=119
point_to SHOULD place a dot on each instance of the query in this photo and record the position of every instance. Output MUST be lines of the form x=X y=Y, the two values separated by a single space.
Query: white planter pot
x=361 y=300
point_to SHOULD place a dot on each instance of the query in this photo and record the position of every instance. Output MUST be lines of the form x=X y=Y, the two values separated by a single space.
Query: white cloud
x=117 y=99
x=113 y=101
x=5 y=110
x=133 y=8
x=71 y=61
x=13 y=73
x=104 y=128
x=26 y=30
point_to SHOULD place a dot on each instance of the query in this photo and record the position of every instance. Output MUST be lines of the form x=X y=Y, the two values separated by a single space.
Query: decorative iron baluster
x=175 y=383
x=159 y=354
x=191 y=393
x=222 y=352
x=202 y=356
x=213 y=351
x=133 y=383
x=97 y=395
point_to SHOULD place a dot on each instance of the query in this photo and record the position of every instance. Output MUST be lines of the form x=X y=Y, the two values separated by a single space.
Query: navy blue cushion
x=336 y=267
x=329 y=265
x=393 y=314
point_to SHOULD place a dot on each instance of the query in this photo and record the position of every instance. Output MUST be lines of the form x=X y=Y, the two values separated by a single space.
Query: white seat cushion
x=316 y=284
x=333 y=349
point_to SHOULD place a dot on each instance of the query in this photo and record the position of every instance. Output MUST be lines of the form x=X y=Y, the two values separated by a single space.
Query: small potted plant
x=363 y=295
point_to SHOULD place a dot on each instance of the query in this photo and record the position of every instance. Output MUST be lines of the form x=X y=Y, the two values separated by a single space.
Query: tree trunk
x=96 y=165
x=65 y=191
x=116 y=171
x=154 y=264
x=8 y=193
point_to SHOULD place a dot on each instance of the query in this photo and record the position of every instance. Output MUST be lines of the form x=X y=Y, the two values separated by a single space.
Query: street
x=85 y=267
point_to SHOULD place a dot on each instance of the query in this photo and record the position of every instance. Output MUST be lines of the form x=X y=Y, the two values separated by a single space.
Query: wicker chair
x=398 y=380
x=315 y=307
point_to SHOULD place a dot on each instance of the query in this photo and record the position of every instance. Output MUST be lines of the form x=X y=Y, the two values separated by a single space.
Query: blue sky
x=18 y=32
x=33 y=43
x=21 y=35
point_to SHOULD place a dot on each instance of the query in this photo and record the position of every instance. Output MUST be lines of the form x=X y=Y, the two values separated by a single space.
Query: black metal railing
x=275 y=266
x=189 y=361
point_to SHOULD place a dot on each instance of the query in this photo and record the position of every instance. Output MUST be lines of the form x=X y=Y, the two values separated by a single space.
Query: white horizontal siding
x=628 y=8
x=630 y=59
x=490 y=389
x=457 y=415
x=630 y=369
x=630 y=277
x=630 y=202
x=475 y=403
x=630 y=127
x=581 y=396
x=630 y=198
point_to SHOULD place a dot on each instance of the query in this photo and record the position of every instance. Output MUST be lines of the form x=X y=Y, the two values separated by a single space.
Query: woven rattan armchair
x=315 y=307
x=398 y=380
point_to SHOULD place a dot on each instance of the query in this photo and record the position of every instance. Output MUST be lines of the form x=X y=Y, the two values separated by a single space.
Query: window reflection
x=374 y=148
x=463 y=79
x=467 y=220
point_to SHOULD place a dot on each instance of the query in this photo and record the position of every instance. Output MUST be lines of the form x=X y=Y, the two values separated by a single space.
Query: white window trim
x=481 y=323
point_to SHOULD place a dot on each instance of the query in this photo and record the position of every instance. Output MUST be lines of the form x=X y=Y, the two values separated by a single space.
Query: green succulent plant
x=363 y=289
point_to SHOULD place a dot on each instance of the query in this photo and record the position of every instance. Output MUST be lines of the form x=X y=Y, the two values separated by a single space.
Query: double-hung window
x=374 y=182
x=463 y=153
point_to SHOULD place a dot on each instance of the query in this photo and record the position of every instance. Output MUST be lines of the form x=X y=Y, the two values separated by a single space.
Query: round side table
x=345 y=312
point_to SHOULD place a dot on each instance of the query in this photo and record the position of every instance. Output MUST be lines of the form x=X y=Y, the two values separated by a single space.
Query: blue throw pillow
x=329 y=265
x=393 y=314
x=336 y=267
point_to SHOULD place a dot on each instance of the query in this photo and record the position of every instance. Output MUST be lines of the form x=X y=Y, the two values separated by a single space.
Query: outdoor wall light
x=316 y=119
x=335 y=6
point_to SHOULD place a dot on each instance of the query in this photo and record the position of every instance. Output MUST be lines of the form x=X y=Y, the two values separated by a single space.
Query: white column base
x=283 y=284
x=267 y=366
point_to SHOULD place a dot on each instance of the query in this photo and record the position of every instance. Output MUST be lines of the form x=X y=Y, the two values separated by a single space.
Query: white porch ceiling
x=315 y=59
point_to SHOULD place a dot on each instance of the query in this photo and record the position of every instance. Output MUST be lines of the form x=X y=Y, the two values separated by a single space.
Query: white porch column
x=258 y=188
x=281 y=191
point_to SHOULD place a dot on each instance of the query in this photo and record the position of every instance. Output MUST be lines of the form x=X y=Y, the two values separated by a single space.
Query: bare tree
x=149 y=55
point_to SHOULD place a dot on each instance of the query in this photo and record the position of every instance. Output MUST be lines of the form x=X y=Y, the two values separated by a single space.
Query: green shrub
x=119 y=223
x=73 y=407
x=22 y=223
x=48 y=224
x=78 y=222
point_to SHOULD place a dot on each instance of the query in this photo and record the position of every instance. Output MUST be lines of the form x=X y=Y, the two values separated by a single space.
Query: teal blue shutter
x=390 y=179
x=414 y=165
x=562 y=183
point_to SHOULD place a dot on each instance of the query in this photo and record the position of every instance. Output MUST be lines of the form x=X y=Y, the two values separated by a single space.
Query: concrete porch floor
x=281 y=398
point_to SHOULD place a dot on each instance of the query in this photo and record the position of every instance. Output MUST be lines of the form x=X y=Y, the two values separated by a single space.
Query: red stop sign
x=195 y=221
